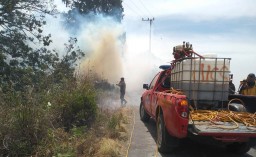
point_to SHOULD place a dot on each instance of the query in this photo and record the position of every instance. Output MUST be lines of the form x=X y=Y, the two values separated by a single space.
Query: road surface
x=143 y=144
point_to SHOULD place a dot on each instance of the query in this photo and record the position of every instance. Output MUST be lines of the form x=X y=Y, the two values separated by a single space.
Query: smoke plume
x=104 y=57
x=107 y=55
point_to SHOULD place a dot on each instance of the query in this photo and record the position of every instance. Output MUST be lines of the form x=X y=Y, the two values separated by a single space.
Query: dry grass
x=108 y=148
x=108 y=136
x=102 y=141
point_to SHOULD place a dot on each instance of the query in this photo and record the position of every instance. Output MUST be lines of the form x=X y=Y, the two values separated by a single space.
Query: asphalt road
x=143 y=144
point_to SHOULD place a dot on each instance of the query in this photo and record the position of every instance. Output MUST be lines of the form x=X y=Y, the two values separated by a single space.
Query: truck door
x=161 y=85
x=149 y=94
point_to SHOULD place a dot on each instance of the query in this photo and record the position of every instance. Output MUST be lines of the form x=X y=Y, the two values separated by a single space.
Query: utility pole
x=150 y=23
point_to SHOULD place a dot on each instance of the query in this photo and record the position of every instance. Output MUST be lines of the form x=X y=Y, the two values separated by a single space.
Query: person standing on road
x=122 y=86
x=248 y=86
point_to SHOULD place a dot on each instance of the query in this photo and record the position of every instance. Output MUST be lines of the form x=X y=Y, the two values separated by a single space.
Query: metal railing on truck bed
x=203 y=80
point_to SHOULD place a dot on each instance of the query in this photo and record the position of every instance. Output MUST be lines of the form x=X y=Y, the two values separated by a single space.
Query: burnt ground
x=143 y=144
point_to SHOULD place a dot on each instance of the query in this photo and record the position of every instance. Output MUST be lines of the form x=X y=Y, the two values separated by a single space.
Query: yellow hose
x=215 y=117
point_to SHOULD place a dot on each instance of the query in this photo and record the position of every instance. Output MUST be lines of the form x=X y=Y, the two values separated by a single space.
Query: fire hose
x=216 y=118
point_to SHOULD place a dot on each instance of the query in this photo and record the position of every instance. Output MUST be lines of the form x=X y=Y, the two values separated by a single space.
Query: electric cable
x=145 y=8
x=139 y=8
x=133 y=10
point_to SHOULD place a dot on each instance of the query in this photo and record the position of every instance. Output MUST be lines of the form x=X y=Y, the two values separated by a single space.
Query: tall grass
x=62 y=121
x=26 y=118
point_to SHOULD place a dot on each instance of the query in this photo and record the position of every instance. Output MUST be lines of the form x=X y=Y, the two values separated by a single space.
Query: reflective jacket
x=249 y=91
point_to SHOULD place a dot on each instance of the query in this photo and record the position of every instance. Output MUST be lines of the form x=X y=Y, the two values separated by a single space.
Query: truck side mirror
x=145 y=86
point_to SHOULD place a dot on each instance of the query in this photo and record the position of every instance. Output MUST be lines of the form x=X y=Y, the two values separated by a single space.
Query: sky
x=225 y=28
x=222 y=27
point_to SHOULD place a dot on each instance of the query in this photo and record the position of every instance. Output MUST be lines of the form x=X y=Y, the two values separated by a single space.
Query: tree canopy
x=111 y=8
x=21 y=21
x=108 y=8
x=24 y=58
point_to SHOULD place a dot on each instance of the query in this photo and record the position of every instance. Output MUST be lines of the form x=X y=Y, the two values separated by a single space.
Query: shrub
x=57 y=142
x=114 y=124
x=27 y=117
x=24 y=123
x=74 y=105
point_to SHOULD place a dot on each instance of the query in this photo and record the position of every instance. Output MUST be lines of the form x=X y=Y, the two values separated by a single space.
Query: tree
x=64 y=69
x=21 y=21
x=22 y=60
x=109 y=8
x=21 y=25
x=112 y=8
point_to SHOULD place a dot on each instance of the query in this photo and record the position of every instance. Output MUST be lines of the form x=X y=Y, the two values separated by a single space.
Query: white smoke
x=101 y=41
x=107 y=55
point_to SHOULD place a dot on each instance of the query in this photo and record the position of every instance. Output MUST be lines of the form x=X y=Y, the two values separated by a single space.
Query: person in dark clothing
x=248 y=86
x=122 y=86
x=232 y=87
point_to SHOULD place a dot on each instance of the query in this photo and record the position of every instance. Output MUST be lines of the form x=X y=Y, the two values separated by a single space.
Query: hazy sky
x=223 y=27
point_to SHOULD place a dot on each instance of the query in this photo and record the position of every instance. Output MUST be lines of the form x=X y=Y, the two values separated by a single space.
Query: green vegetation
x=63 y=121
x=45 y=110
x=28 y=118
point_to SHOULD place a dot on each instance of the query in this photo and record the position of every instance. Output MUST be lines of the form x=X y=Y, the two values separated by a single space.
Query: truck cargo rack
x=204 y=80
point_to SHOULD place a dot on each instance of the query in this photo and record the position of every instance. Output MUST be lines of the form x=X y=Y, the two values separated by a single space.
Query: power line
x=145 y=8
x=138 y=8
x=134 y=11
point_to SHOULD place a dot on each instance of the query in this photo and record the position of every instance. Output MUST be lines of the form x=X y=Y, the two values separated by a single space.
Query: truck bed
x=230 y=128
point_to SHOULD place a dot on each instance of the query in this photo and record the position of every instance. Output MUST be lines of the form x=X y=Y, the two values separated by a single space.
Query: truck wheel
x=144 y=116
x=165 y=142
x=238 y=148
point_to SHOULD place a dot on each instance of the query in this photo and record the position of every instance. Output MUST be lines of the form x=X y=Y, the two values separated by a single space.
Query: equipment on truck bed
x=181 y=52
x=205 y=80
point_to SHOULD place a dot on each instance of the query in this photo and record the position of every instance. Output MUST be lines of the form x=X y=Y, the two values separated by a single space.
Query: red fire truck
x=193 y=82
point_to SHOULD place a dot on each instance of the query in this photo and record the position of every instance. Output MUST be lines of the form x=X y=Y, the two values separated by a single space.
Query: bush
x=74 y=105
x=26 y=118
x=114 y=124
x=24 y=123
x=56 y=143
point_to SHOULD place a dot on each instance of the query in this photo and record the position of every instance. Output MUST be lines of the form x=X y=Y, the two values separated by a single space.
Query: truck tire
x=144 y=116
x=165 y=142
x=238 y=148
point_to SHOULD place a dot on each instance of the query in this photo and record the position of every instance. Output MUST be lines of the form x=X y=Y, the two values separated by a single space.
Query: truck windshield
x=153 y=82
x=166 y=83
